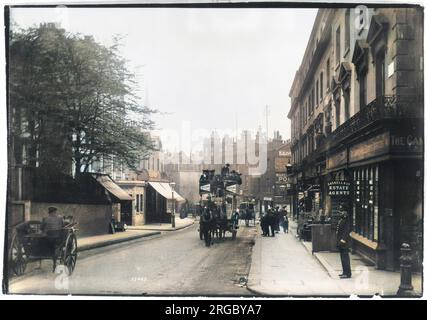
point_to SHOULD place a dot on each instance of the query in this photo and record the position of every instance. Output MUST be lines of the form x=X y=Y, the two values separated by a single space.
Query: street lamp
x=289 y=167
x=173 y=205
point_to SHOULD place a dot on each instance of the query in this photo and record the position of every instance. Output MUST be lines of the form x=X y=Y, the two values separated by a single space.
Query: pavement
x=132 y=233
x=179 y=224
x=285 y=266
x=88 y=243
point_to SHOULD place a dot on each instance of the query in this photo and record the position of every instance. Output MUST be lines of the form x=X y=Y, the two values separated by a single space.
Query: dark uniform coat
x=343 y=233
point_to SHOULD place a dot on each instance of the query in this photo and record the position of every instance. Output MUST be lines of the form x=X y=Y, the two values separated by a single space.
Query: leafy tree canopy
x=73 y=101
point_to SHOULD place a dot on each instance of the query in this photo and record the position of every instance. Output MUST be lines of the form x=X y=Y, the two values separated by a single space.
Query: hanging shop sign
x=281 y=178
x=232 y=188
x=205 y=188
x=313 y=188
x=339 y=188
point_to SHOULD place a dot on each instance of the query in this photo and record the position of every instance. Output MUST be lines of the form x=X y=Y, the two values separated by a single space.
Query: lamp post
x=173 y=206
x=288 y=189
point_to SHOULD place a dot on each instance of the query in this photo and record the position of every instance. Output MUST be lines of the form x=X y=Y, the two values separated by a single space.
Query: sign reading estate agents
x=339 y=188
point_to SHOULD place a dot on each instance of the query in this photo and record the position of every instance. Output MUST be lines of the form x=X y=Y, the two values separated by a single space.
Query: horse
x=207 y=226
x=222 y=224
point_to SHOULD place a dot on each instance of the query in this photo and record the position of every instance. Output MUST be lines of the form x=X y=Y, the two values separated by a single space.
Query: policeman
x=343 y=242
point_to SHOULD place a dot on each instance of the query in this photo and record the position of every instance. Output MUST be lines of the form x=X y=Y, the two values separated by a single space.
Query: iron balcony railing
x=384 y=107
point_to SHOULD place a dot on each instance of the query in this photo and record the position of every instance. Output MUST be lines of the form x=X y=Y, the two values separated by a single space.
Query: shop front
x=379 y=182
x=161 y=202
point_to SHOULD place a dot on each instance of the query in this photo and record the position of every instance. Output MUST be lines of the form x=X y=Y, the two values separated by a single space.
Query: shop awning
x=113 y=188
x=165 y=190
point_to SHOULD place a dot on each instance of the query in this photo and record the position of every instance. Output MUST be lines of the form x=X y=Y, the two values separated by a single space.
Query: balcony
x=382 y=108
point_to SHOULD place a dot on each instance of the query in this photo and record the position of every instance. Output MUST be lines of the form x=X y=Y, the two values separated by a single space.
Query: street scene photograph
x=214 y=149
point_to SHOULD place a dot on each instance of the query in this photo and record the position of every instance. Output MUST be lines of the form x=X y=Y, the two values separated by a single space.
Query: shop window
x=365 y=202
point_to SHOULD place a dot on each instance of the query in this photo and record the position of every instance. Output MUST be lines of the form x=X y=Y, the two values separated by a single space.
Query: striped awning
x=166 y=191
x=113 y=188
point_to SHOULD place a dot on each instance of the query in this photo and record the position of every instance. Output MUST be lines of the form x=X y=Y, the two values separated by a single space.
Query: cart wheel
x=233 y=234
x=18 y=257
x=69 y=257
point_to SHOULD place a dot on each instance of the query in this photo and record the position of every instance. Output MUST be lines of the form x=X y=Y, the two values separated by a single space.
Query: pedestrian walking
x=343 y=239
x=276 y=219
x=264 y=226
x=285 y=223
x=271 y=220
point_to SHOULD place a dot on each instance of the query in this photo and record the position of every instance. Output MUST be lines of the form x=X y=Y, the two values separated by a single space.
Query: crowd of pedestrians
x=271 y=222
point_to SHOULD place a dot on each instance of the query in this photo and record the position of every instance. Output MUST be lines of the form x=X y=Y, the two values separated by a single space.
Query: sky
x=203 y=69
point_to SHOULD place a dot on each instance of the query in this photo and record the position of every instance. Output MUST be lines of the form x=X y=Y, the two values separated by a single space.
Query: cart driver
x=53 y=221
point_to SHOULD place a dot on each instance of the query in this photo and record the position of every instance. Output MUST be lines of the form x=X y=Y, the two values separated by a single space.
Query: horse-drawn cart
x=30 y=243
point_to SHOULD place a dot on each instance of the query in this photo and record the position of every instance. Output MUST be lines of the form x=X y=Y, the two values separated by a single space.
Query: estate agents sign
x=339 y=188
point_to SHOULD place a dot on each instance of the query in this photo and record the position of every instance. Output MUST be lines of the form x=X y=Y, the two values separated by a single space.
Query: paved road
x=175 y=263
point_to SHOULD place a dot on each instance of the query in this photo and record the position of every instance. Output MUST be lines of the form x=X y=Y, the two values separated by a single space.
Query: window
x=328 y=67
x=347 y=30
x=337 y=46
x=365 y=202
x=312 y=98
x=141 y=203
x=317 y=92
x=346 y=104
x=305 y=112
x=337 y=113
x=321 y=85
x=380 y=74
x=362 y=90
x=137 y=203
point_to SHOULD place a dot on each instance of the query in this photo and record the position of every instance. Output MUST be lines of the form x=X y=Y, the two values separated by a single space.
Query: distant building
x=272 y=185
x=151 y=167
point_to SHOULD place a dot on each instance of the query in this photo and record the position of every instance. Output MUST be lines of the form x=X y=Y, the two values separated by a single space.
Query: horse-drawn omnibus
x=219 y=203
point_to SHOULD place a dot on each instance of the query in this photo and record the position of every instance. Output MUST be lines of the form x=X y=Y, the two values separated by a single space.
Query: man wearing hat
x=53 y=221
x=343 y=239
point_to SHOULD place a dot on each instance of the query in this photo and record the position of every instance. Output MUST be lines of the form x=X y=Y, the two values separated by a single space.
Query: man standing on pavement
x=343 y=239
